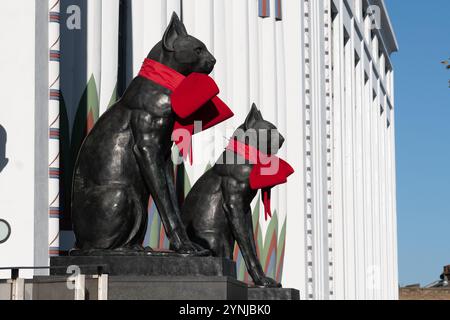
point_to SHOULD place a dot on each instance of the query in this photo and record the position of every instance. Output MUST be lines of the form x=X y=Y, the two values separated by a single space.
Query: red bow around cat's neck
x=193 y=98
x=268 y=170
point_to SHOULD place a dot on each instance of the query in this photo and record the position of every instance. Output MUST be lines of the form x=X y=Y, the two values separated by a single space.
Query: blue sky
x=422 y=137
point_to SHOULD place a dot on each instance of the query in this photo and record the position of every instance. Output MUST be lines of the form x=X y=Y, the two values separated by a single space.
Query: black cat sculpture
x=127 y=157
x=217 y=210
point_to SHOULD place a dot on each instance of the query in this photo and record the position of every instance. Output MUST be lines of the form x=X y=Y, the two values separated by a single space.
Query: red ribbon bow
x=268 y=170
x=193 y=98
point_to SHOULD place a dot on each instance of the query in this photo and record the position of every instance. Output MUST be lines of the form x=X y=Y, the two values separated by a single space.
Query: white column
x=198 y=17
x=94 y=59
x=349 y=210
x=382 y=67
x=254 y=54
x=376 y=272
x=328 y=178
x=338 y=155
x=295 y=265
x=238 y=46
x=384 y=210
x=375 y=48
x=393 y=230
x=171 y=7
x=282 y=207
x=368 y=193
x=22 y=100
x=373 y=271
x=310 y=290
x=359 y=184
x=109 y=53
x=268 y=84
x=102 y=56
x=317 y=127
x=390 y=275
x=149 y=21
x=54 y=121
x=219 y=49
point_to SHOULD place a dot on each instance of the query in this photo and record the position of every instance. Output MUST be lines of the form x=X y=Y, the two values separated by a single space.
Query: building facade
x=320 y=70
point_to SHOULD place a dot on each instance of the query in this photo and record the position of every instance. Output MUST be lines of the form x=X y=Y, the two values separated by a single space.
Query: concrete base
x=145 y=288
x=56 y=288
x=147 y=265
x=154 y=277
x=177 y=288
x=273 y=294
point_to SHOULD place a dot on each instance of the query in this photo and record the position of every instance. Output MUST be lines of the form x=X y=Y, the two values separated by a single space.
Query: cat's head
x=182 y=52
x=259 y=133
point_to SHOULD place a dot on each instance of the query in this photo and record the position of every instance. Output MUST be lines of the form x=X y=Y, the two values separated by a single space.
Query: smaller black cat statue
x=217 y=210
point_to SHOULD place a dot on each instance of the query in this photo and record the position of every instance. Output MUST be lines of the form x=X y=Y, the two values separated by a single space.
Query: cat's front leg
x=153 y=166
x=185 y=245
x=238 y=211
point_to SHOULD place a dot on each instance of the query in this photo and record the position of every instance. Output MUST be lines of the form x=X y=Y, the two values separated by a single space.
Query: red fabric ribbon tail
x=266 y=202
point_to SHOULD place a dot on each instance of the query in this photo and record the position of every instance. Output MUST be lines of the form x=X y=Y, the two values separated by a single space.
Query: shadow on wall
x=3 y=139
x=79 y=96
x=73 y=109
x=125 y=72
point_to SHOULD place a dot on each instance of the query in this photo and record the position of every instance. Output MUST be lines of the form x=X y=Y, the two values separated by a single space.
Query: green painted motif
x=87 y=113
x=270 y=251
x=114 y=97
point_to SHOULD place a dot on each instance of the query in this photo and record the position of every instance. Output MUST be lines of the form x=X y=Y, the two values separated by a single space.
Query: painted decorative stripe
x=55 y=55
x=54 y=251
x=55 y=212
x=264 y=8
x=278 y=10
x=55 y=94
x=269 y=264
x=53 y=173
x=55 y=17
x=280 y=262
x=54 y=133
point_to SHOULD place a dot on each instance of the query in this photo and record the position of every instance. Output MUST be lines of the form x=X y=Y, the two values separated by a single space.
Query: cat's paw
x=191 y=249
x=266 y=282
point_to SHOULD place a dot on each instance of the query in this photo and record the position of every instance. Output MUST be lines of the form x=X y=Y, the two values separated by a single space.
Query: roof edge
x=386 y=31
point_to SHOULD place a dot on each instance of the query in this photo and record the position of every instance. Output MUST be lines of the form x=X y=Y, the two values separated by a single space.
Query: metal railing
x=76 y=281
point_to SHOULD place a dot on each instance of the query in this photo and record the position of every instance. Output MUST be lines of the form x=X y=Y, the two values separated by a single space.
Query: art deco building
x=320 y=70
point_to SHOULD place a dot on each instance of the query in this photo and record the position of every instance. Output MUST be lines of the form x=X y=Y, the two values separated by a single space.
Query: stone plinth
x=273 y=294
x=145 y=288
x=147 y=265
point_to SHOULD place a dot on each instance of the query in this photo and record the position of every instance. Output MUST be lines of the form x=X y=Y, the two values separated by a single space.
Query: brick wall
x=425 y=294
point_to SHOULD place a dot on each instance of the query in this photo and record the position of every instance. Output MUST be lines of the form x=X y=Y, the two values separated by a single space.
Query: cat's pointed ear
x=175 y=29
x=253 y=116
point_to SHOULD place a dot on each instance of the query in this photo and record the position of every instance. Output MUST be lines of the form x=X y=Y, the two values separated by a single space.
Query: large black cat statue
x=217 y=210
x=126 y=158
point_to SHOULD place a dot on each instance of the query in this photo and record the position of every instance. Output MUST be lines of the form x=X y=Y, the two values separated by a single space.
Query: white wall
x=17 y=114
x=364 y=236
